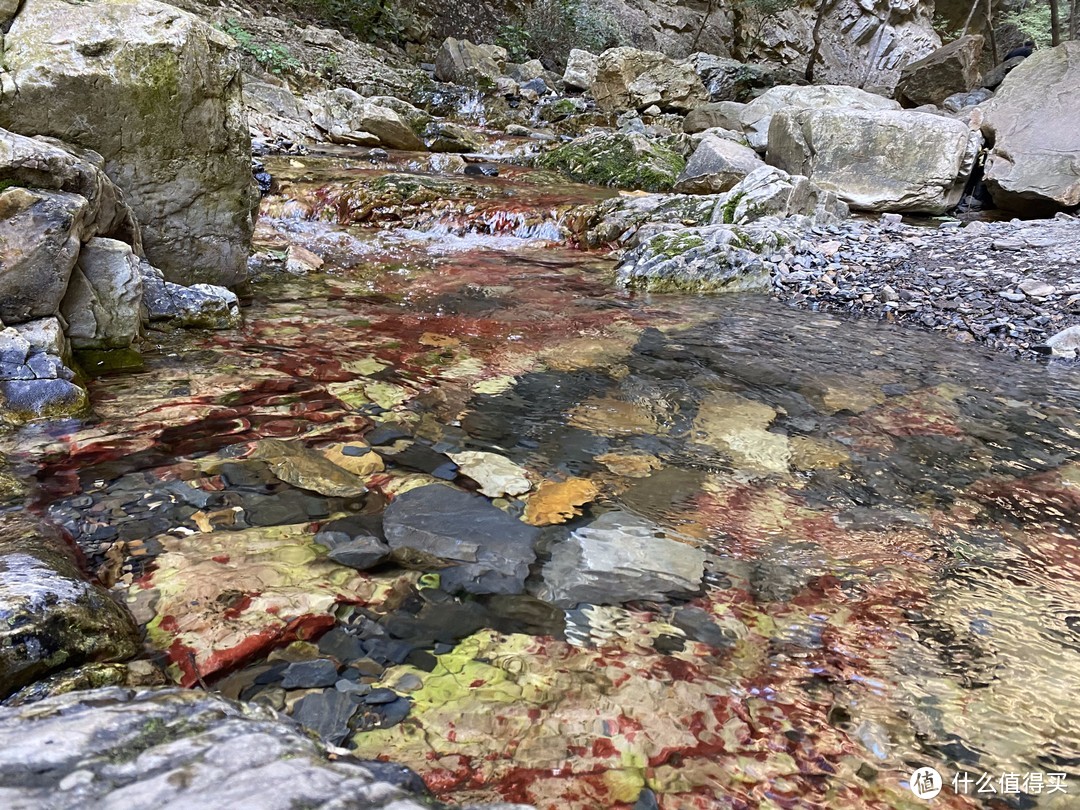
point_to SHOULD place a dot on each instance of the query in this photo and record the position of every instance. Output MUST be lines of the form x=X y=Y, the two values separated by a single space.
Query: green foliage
x=273 y=57
x=548 y=29
x=368 y=20
x=945 y=29
x=1032 y=20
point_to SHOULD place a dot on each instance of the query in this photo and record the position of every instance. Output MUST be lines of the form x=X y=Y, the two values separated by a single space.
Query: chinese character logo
x=925 y=783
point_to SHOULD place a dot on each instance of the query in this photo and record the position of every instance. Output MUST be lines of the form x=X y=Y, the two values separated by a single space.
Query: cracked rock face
x=171 y=748
x=175 y=139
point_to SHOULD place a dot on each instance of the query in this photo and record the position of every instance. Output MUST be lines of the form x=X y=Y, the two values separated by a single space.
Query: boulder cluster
x=125 y=177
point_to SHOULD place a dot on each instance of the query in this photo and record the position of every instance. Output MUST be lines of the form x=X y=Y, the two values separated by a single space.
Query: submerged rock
x=166 y=747
x=488 y=550
x=621 y=557
x=50 y=616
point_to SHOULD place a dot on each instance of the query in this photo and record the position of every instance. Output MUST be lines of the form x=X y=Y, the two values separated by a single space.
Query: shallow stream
x=883 y=523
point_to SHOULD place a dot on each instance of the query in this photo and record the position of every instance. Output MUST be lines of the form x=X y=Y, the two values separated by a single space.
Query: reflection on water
x=804 y=556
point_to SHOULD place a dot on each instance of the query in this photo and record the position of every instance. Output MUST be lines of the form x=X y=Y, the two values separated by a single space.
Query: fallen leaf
x=558 y=501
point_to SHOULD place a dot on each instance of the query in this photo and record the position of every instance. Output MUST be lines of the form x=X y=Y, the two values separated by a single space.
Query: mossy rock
x=51 y=617
x=617 y=159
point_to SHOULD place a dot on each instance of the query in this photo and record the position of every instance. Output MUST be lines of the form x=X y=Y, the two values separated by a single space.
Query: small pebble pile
x=1009 y=285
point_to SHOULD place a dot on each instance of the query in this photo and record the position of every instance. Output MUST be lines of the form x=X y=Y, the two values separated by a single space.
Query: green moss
x=613 y=160
x=98 y=362
x=675 y=244
x=728 y=209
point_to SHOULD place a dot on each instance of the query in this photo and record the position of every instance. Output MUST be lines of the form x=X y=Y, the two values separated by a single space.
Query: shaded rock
x=623 y=160
x=1031 y=122
x=47 y=164
x=200 y=306
x=732 y=80
x=720 y=114
x=993 y=78
x=489 y=550
x=525 y=72
x=40 y=233
x=581 y=67
x=444 y=136
x=34 y=378
x=314 y=674
x=877 y=160
x=175 y=138
x=621 y=557
x=962 y=101
x=462 y=62
x=104 y=301
x=716 y=165
x=952 y=68
x=50 y=616
x=157 y=748
x=361 y=552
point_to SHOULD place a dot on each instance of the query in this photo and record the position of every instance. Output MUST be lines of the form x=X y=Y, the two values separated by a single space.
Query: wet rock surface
x=53 y=618
x=487 y=550
x=155 y=748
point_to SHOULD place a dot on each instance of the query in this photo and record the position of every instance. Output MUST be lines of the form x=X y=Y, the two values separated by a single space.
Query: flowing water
x=887 y=521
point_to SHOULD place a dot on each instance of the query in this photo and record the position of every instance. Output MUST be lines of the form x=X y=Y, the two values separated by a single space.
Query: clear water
x=890 y=520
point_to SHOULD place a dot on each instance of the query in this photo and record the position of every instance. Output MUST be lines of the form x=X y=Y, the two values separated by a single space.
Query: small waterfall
x=532 y=225
x=472 y=109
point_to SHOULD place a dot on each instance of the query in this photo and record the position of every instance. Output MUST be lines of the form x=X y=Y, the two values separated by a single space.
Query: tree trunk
x=824 y=7
x=1055 y=23
x=971 y=15
x=705 y=19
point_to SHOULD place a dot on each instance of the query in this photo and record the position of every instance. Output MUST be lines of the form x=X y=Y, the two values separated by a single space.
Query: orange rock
x=558 y=501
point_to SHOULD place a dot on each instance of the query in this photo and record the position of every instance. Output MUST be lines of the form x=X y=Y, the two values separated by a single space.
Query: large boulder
x=877 y=160
x=716 y=165
x=274 y=111
x=50 y=616
x=753 y=118
x=771 y=192
x=628 y=78
x=619 y=159
x=155 y=748
x=1033 y=165
x=47 y=164
x=671 y=87
x=104 y=301
x=157 y=93
x=346 y=117
x=459 y=61
x=952 y=68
